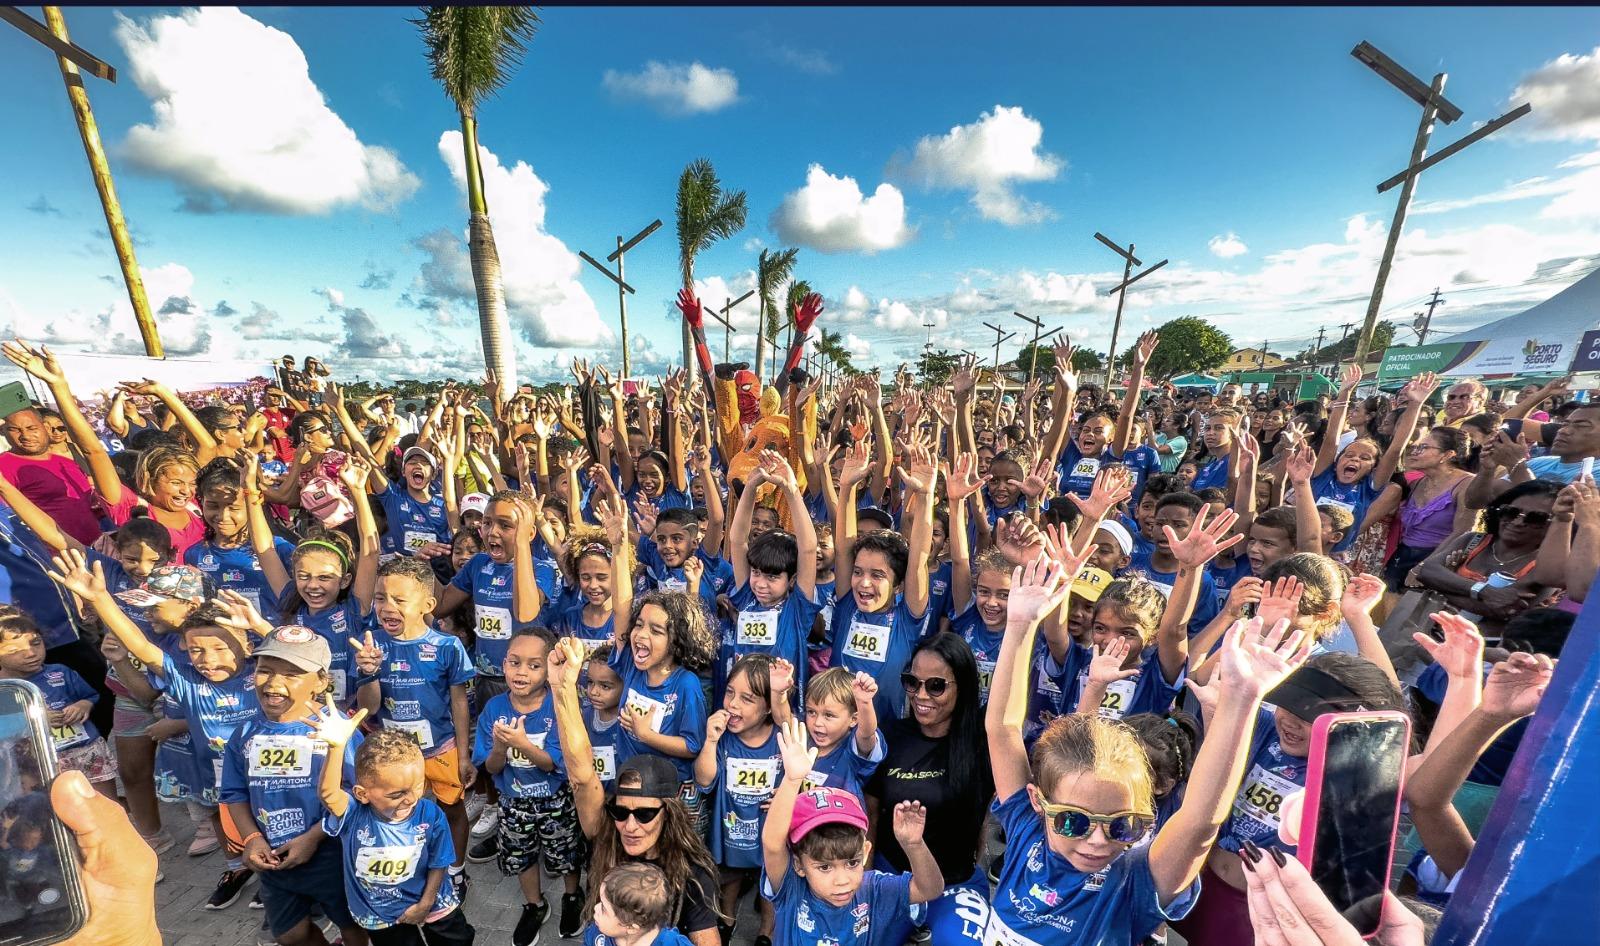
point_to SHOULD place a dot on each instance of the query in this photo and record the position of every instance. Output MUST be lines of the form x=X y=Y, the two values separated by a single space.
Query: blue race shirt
x=386 y=863
x=938 y=597
x=747 y=777
x=1144 y=462
x=416 y=677
x=62 y=686
x=1041 y=900
x=676 y=707
x=490 y=584
x=777 y=632
x=1076 y=472
x=214 y=711
x=666 y=936
x=845 y=767
x=603 y=739
x=520 y=778
x=714 y=580
x=1356 y=497
x=877 y=644
x=24 y=560
x=336 y=625
x=985 y=645
x=881 y=905
x=1149 y=692
x=1271 y=775
x=412 y=525
x=275 y=768
x=1205 y=603
x=239 y=570
x=1212 y=473
x=569 y=623
x=1052 y=686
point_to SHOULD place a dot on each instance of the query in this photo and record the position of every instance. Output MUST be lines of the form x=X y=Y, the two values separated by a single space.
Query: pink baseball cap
x=822 y=806
x=323 y=498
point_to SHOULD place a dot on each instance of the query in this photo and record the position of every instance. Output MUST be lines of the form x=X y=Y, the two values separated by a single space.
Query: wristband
x=248 y=838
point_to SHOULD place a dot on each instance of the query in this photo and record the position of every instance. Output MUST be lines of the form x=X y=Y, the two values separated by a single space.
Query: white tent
x=1540 y=340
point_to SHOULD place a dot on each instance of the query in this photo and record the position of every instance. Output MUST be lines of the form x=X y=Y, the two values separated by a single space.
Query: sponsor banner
x=1587 y=356
x=1403 y=362
x=1509 y=356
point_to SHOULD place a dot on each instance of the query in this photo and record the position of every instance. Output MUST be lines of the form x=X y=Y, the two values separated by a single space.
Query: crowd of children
x=1000 y=670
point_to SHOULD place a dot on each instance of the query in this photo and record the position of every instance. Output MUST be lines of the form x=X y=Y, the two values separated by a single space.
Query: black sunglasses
x=933 y=686
x=621 y=813
x=1532 y=517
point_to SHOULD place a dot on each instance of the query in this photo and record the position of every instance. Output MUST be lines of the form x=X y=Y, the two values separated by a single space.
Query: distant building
x=1252 y=359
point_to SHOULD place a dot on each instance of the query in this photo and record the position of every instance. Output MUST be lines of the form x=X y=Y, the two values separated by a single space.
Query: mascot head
x=749 y=390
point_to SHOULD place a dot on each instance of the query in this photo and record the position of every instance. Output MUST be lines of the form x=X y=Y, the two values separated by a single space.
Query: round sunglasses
x=934 y=686
x=1070 y=821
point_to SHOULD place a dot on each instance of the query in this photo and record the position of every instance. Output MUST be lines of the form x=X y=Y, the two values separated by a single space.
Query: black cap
x=657 y=777
x=1310 y=692
x=875 y=514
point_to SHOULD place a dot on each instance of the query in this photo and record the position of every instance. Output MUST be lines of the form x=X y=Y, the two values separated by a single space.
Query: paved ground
x=494 y=902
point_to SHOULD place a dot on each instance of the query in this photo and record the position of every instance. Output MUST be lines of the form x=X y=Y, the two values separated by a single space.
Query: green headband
x=325 y=544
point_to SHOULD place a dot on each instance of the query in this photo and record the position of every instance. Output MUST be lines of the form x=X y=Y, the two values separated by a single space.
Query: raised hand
x=716 y=725
x=1360 y=596
x=1018 y=539
x=965 y=377
x=1420 y=388
x=1504 y=451
x=354 y=475
x=1301 y=465
x=1255 y=657
x=1349 y=377
x=919 y=471
x=72 y=572
x=331 y=727
x=1516 y=685
x=857 y=463
x=777 y=470
x=963 y=480
x=910 y=820
x=1112 y=485
x=693 y=569
x=1037 y=588
x=565 y=664
x=368 y=655
x=1206 y=540
x=781 y=676
x=1280 y=601
x=1146 y=347
x=241 y=616
x=690 y=307
x=864 y=688
x=1038 y=479
x=1461 y=651
x=793 y=746
x=645 y=515
x=1106 y=666
x=38 y=362
x=806 y=312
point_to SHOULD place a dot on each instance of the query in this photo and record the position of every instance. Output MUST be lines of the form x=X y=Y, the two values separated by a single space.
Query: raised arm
x=36 y=519
x=1307 y=521
x=205 y=445
x=1037 y=589
x=73 y=572
x=1205 y=541
x=41 y=363
x=918 y=475
x=1122 y=439
x=278 y=578
x=857 y=465
x=613 y=514
x=1349 y=377
x=962 y=481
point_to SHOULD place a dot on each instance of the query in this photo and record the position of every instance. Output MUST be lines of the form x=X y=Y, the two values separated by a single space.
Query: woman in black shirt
x=937 y=755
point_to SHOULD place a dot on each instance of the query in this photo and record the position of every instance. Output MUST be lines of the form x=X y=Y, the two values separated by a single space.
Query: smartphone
x=41 y=896
x=1354 y=779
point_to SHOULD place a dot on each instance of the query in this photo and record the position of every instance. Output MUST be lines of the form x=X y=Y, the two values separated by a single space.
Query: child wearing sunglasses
x=815 y=850
x=1074 y=813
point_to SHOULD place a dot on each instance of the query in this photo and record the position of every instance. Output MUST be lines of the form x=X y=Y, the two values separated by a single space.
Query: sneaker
x=487 y=822
x=484 y=850
x=229 y=886
x=255 y=901
x=459 y=881
x=533 y=917
x=571 y=914
x=205 y=840
x=763 y=941
x=922 y=935
x=161 y=842
x=475 y=805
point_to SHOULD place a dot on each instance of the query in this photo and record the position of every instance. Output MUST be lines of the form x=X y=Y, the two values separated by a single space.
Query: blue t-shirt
x=275 y=768
x=1149 y=692
x=569 y=622
x=521 y=778
x=386 y=863
x=671 y=497
x=603 y=739
x=336 y=625
x=239 y=570
x=1211 y=473
x=416 y=677
x=1551 y=467
x=747 y=777
x=176 y=777
x=62 y=686
x=778 y=632
x=938 y=597
x=675 y=707
x=1490 y=769
x=490 y=584
x=1271 y=775
x=412 y=525
x=827 y=594
x=24 y=563
x=1052 y=686
x=214 y=711
x=1144 y=462
x=877 y=644
x=666 y=936
x=881 y=905
x=1223 y=579
x=1041 y=899
x=716 y=578
x=845 y=767
x=985 y=645
x=1205 y=603
x=1356 y=497
x=1075 y=472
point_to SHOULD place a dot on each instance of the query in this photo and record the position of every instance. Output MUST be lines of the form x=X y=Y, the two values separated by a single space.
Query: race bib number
x=338 y=685
x=672 y=584
x=757 y=628
x=605 y=763
x=494 y=623
x=252 y=595
x=867 y=641
x=752 y=776
x=1085 y=469
x=418 y=728
x=985 y=678
x=67 y=735
x=653 y=711
x=416 y=541
x=1261 y=798
x=388 y=866
x=997 y=933
x=1119 y=695
x=516 y=759
x=280 y=756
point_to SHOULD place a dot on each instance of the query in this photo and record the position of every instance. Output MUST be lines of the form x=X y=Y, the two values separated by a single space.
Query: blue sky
x=288 y=173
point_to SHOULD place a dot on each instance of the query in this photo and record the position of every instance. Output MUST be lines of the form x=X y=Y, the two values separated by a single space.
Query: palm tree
x=772 y=271
x=705 y=215
x=473 y=51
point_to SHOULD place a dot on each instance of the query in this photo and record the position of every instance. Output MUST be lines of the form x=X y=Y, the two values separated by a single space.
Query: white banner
x=1517 y=356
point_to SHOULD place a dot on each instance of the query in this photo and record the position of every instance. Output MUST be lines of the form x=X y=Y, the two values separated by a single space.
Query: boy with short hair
x=815 y=850
x=634 y=909
x=415 y=679
x=1160 y=566
x=667 y=543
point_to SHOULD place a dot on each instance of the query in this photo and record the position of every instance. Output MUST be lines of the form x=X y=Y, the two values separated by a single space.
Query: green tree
x=772 y=271
x=1187 y=344
x=935 y=367
x=705 y=215
x=472 y=52
x=1083 y=359
x=1382 y=337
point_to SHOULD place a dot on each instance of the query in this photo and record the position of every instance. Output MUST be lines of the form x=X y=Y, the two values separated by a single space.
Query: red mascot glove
x=690 y=307
x=806 y=312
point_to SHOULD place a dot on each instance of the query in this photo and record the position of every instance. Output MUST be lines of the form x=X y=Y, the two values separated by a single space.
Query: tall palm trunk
x=493 y=322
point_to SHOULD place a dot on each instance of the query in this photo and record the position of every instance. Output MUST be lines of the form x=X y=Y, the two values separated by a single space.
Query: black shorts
x=288 y=895
x=450 y=930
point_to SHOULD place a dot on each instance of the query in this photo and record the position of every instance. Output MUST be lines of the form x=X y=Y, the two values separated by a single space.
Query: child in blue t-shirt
x=501 y=584
x=672 y=558
x=776 y=579
x=814 y=850
x=419 y=520
x=79 y=745
x=738 y=765
x=602 y=713
x=843 y=725
x=634 y=908
x=227 y=555
x=538 y=820
x=397 y=845
x=414 y=679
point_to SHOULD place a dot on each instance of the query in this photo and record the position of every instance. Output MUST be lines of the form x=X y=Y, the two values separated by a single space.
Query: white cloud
x=240 y=125
x=860 y=349
x=988 y=157
x=890 y=315
x=831 y=214
x=1565 y=95
x=1227 y=245
x=675 y=88
x=540 y=275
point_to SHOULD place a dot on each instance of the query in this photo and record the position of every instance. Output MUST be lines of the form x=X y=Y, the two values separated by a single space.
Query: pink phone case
x=1311 y=801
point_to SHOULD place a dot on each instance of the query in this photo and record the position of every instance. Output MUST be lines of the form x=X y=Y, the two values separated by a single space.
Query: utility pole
x=1000 y=335
x=1129 y=261
x=1033 y=362
x=727 y=325
x=52 y=34
x=616 y=256
x=1424 y=319
x=1262 y=361
x=1316 y=353
x=1434 y=106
